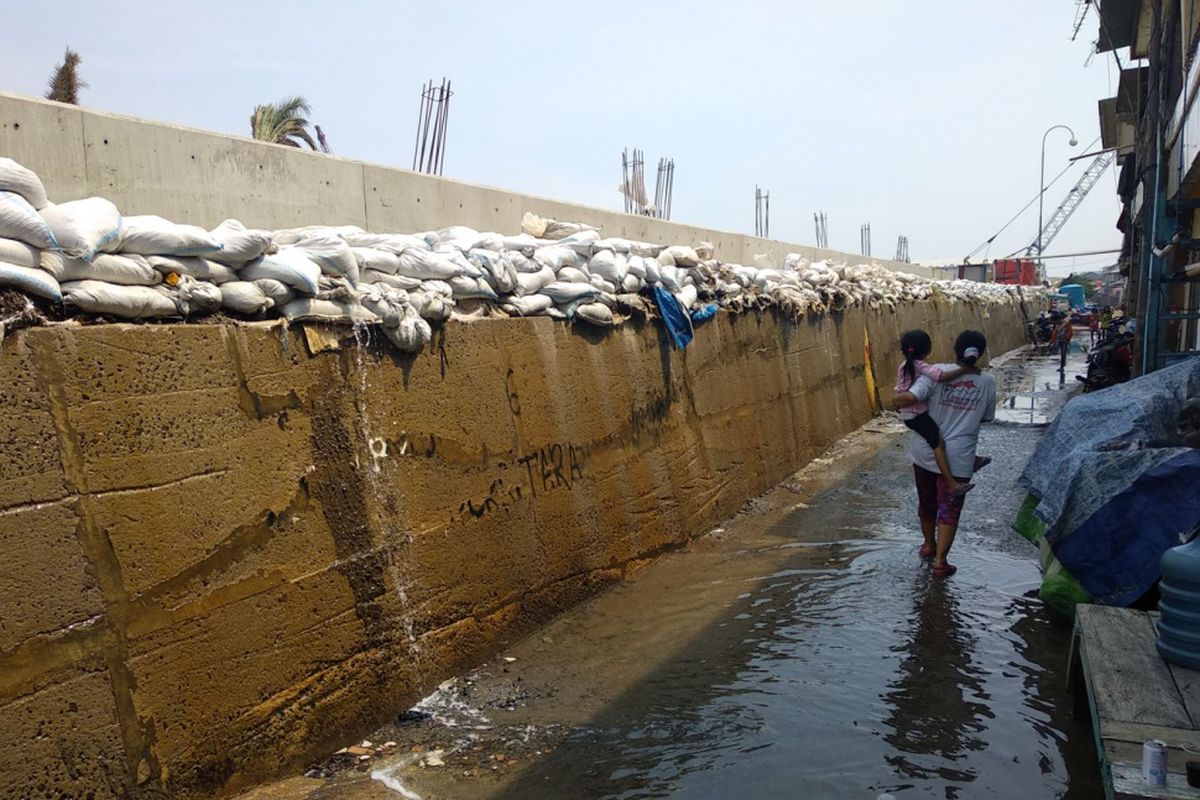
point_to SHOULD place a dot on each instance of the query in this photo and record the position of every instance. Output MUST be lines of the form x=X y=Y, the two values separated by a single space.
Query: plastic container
x=1179 y=628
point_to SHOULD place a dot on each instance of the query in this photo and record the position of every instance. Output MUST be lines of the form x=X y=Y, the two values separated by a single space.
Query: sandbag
x=431 y=304
x=595 y=313
x=293 y=235
x=370 y=258
x=687 y=296
x=151 y=235
x=466 y=287
x=395 y=243
x=632 y=284
x=84 y=227
x=545 y=228
x=528 y=306
x=395 y=281
x=127 y=302
x=610 y=265
x=520 y=262
x=411 y=334
x=19 y=254
x=30 y=280
x=498 y=272
x=556 y=257
x=289 y=266
x=337 y=312
x=572 y=275
x=244 y=297
x=562 y=292
x=193 y=297
x=331 y=254
x=120 y=270
x=531 y=282
x=678 y=256
x=279 y=292
x=19 y=220
x=202 y=269
x=240 y=244
x=426 y=265
x=23 y=181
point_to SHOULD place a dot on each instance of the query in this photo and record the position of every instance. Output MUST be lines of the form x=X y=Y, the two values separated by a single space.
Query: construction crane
x=1059 y=218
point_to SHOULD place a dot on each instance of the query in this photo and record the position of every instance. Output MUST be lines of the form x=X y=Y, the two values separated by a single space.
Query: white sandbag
x=240 y=244
x=678 y=256
x=528 y=306
x=616 y=245
x=595 y=313
x=287 y=236
x=370 y=258
x=279 y=292
x=498 y=272
x=522 y=243
x=636 y=265
x=460 y=236
x=194 y=297
x=121 y=270
x=531 y=282
x=392 y=242
x=127 y=302
x=653 y=270
x=562 y=292
x=609 y=265
x=19 y=220
x=427 y=265
x=572 y=275
x=687 y=296
x=289 y=266
x=632 y=284
x=19 y=253
x=331 y=254
x=556 y=257
x=411 y=334
x=244 y=297
x=337 y=312
x=395 y=281
x=202 y=269
x=520 y=262
x=431 y=304
x=576 y=230
x=151 y=235
x=30 y=280
x=705 y=251
x=466 y=287
x=440 y=288
x=23 y=181
x=669 y=277
x=603 y=285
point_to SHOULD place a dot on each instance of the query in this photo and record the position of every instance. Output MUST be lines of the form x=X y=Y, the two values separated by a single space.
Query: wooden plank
x=1188 y=683
x=1118 y=752
x=1129 y=680
x=1136 y=733
x=1127 y=785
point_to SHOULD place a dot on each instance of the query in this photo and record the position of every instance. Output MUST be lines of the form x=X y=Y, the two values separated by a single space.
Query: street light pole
x=1042 y=183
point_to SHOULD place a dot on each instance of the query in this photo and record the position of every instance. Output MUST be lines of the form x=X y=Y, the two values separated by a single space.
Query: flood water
x=802 y=651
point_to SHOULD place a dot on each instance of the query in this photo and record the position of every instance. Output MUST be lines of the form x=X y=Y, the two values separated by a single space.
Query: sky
x=924 y=119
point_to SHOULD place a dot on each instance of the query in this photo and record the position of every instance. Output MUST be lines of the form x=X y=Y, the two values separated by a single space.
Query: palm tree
x=285 y=122
x=65 y=83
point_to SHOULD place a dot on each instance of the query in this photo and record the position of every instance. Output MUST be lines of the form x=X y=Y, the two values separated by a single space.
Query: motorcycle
x=1110 y=362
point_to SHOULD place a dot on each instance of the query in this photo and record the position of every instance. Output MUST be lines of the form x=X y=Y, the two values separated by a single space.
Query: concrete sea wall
x=202 y=177
x=227 y=555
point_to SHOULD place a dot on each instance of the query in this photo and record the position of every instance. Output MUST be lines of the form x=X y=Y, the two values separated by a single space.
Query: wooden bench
x=1131 y=694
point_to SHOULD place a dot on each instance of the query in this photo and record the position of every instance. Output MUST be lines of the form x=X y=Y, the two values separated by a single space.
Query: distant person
x=1061 y=338
x=958 y=407
x=1093 y=328
x=915 y=346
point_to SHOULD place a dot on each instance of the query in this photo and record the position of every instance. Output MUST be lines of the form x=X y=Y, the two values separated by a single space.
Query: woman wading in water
x=958 y=407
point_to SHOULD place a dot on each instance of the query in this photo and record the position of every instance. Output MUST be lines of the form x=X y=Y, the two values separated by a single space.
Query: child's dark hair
x=969 y=340
x=915 y=345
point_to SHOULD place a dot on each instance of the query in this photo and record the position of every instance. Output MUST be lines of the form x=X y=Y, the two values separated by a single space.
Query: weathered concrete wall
x=202 y=177
x=225 y=556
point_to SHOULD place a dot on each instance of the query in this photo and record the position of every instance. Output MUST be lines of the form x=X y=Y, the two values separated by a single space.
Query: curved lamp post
x=1042 y=185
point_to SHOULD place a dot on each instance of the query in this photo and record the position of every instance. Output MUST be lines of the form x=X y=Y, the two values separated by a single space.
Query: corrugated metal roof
x=1118 y=18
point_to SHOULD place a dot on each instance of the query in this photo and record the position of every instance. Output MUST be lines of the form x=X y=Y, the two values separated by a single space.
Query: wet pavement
x=800 y=650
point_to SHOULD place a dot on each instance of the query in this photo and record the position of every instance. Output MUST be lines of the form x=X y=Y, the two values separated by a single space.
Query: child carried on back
x=916 y=346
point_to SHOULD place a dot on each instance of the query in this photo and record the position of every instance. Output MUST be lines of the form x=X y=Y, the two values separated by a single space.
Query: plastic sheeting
x=1114 y=487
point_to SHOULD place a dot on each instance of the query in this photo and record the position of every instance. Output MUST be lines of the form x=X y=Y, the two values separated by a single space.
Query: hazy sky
x=922 y=118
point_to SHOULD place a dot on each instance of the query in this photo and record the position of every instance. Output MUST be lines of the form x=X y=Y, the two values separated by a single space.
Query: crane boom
x=1059 y=218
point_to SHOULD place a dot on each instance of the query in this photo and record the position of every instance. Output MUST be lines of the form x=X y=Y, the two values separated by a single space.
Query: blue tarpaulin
x=1114 y=486
x=679 y=325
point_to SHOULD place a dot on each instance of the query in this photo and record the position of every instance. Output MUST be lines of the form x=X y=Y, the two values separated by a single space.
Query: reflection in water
x=931 y=710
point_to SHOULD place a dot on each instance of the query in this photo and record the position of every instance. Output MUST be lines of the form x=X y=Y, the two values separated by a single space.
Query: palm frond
x=65 y=82
x=285 y=122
